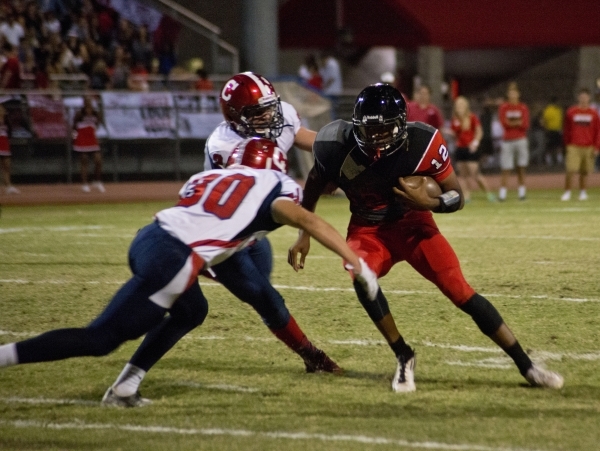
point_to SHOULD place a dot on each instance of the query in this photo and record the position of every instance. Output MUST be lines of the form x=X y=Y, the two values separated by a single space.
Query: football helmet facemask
x=379 y=120
x=259 y=153
x=251 y=106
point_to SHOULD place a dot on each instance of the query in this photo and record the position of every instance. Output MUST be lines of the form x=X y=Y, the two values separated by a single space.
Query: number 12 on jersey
x=443 y=151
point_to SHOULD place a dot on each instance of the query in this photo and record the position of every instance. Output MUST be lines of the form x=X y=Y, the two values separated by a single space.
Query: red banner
x=47 y=117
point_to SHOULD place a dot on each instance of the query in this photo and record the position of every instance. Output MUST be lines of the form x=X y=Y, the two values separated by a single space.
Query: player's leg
x=507 y=164
x=84 y=159
x=463 y=177
x=572 y=164
x=246 y=275
x=522 y=150
x=365 y=243
x=433 y=257
x=587 y=166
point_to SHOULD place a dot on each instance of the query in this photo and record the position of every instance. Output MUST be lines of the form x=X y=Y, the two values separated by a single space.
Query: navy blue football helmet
x=379 y=120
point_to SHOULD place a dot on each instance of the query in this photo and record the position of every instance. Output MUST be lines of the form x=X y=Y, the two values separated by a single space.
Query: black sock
x=401 y=348
x=521 y=359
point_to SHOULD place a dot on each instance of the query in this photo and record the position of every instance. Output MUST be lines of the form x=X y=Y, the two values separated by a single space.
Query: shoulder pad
x=423 y=126
x=333 y=132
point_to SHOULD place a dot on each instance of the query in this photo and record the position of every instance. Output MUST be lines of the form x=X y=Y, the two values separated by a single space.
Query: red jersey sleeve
x=435 y=161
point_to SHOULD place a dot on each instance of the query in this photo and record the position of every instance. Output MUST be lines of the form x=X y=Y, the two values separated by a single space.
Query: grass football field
x=230 y=385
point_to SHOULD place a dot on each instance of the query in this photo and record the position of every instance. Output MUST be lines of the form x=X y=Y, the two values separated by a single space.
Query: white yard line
x=37 y=401
x=285 y=435
x=222 y=387
x=50 y=229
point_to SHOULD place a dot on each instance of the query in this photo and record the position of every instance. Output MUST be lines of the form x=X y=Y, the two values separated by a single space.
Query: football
x=415 y=181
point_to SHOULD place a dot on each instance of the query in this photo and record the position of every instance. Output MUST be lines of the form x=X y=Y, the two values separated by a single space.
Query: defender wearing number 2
x=392 y=222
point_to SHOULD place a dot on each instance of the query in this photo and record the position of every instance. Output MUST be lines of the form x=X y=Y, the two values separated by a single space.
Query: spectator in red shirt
x=10 y=73
x=581 y=135
x=203 y=83
x=514 y=117
x=467 y=130
x=422 y=110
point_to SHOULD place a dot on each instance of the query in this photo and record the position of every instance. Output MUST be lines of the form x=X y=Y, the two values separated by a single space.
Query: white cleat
x=12 y=190
x=404 y=379
x=85 y=188
x=541 y=377
x=99 y=186
x=112 y=399
x=583 y=195
x=566 y=196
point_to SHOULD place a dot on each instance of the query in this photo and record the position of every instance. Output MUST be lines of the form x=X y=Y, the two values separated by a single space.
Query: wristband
x=449 y=202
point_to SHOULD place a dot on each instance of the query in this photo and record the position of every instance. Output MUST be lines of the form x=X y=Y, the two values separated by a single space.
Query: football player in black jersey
x=393 y=222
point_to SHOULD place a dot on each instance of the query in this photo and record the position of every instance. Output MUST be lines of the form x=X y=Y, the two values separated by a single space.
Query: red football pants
x=417 y=240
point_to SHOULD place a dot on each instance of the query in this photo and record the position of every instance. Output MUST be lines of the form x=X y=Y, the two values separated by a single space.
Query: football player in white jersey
x=252 y=108
x=218 y=213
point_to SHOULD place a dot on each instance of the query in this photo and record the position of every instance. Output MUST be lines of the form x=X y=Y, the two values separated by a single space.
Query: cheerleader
x=5 y=153
x=85 y=142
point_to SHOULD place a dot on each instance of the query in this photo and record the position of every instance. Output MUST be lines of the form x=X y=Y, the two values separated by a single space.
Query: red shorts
x=417 y=240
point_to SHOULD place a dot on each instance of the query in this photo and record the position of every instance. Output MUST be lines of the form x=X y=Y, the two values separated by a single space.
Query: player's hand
x=415 y=198
x=367 y=278
x=302 y=247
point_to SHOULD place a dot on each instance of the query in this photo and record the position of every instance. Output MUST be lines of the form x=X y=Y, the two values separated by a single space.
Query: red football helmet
x=251 y=106
x=259 y=153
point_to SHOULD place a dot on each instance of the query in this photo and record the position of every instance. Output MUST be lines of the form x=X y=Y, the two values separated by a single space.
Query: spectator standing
x=100 y=77
x=552 y=121
x=203 y=83
x=422 y=110
x=466 y=128
x=309 y=73
x=514 y=117
x=5 y=153
x=581 y=136
x=10 y=73
x=85 y=142
x=141 y=48
x=331 y=75
x=12 y=31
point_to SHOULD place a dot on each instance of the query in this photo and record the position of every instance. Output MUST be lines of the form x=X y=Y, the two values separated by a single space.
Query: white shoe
x=99 y=186
x=583 y=195
x=541 y=377
x=110 y=398
x=566 y=196
x=85 y=188
x=404 y=379
x=12 y=190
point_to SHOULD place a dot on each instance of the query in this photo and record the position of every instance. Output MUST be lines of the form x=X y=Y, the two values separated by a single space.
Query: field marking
x=38 y=401
x=309 y=288
x=51 y=229
x=524 y=237
x=591 y=356
x=221 y=387
x=370 y=440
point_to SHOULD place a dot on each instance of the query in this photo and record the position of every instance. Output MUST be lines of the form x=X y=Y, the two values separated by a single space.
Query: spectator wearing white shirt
x=12 y=31
x=332 y=80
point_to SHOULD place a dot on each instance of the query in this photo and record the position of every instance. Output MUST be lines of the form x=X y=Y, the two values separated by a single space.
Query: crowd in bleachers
x=82 y=37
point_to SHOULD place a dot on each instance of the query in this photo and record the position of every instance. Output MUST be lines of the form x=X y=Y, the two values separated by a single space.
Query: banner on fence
x=139 y=115
x=47 y=117
x=198 y=114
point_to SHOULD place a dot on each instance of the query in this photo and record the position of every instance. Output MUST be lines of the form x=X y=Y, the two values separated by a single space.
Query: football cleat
x=404 y=379
x=317 y=361
x=541 y=377
x=112 y=399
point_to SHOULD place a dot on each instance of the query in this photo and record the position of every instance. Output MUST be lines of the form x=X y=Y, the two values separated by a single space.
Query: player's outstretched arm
x=288 y=213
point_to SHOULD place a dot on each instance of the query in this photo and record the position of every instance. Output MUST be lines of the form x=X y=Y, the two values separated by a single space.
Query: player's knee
x=191 y=313
x=276 y=318
x=484 y=314
x=101 y=343
x=454 y=286
x=376 y=309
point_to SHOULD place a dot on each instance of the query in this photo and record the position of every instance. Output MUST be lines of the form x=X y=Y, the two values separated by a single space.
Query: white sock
x=522 y=191
x=582 y=192
x=502 y=193
x=129 y=380
x=8 y=355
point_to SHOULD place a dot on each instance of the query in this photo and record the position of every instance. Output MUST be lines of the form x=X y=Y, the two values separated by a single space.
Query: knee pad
x=376 y=309
x=483 y=313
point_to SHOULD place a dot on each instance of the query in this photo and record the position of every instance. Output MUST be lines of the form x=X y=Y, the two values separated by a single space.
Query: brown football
x=414 y=181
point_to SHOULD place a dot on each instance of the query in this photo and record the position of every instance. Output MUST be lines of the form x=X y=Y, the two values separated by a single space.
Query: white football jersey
x=222 y=211
x=223 y=140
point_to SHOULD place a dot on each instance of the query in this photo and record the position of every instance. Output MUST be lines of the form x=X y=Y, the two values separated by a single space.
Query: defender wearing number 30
x=392 y=221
